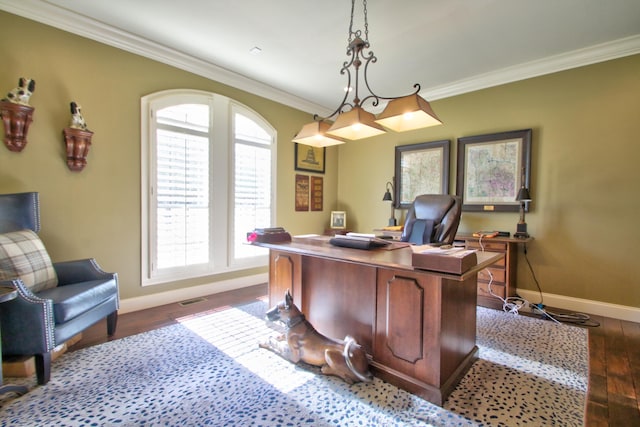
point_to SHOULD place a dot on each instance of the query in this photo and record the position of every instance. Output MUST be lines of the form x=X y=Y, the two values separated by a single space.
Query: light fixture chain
x=349 y=39
x=352 y=120
x=366 y=22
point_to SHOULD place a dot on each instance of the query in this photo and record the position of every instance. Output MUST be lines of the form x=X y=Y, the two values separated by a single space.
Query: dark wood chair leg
x=43 y=367
x=112 y=323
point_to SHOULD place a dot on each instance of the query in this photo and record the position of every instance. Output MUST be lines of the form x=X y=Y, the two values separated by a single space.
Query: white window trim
x=244 y=110
x=223 y=109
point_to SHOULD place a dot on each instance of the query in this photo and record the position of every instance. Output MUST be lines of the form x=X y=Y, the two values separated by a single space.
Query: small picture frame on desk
x=338 y=220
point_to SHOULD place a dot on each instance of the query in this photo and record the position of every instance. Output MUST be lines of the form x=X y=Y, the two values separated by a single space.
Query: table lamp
x=388 y=198
x=523 y=197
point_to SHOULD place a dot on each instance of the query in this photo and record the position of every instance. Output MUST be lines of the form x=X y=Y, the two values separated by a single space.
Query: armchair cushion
x=23 y=255
x=70 y=301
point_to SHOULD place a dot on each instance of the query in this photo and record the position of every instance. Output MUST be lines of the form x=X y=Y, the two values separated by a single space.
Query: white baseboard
x=148 y=301
x=580 y=305
x=616 y=311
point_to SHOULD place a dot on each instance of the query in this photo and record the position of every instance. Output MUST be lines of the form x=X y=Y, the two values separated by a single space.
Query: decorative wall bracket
x=16 y=119
x=77 y=142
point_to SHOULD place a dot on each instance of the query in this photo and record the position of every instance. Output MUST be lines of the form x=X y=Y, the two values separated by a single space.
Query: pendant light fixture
x=352 y=121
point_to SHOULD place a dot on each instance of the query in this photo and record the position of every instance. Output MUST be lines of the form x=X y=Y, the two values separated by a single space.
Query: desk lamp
x=523 y=197
x=388 y=198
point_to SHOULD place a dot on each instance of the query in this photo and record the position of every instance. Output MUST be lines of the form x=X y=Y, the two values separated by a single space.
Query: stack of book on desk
x=454 y=260
x=269 y=235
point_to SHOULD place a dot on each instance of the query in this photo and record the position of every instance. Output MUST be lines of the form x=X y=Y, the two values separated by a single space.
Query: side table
x=504 y=272
x=7 y=294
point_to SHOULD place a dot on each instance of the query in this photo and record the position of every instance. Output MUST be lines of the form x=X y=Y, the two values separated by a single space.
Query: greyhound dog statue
x=301 y=342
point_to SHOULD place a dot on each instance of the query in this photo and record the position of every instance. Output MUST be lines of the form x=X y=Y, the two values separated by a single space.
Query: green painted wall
x=96 y=212
x=584 y=168
x=585 y=175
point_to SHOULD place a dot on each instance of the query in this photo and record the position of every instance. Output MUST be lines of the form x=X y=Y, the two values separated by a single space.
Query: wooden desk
x=419 y=327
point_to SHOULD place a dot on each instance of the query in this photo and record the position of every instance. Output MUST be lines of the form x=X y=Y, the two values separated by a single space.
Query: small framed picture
x=338 y=219
x=310 y=159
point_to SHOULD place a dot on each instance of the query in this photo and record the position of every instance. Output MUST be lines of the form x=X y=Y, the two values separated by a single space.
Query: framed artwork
x=316 y=193
x=338 y=219
x=302 y=192
x=491 y=170
x=421 y=169
x=310 y=159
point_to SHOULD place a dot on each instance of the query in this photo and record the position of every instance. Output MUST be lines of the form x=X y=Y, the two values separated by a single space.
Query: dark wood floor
x=614 y=353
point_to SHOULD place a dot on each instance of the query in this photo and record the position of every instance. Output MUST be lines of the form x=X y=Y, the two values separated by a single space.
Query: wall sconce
x=17 y=114
x=388 y=198
x=77 y=142
x=77 y=138
x=523 y=197
x=16 y=119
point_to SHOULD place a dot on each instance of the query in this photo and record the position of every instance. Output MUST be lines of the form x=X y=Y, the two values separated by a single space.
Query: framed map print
x=491 y=170
x=421 y=169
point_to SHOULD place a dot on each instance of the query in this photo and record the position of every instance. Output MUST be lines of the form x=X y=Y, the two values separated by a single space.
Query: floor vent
x=191 y=301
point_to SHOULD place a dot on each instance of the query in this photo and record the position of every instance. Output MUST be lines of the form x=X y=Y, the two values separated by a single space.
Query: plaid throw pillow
x=23 y=255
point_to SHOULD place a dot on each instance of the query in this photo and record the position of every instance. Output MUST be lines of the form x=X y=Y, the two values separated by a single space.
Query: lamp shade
x=523 y=195
x=408 y=113
x=355 y=124
x=314 y=134
x=387 y=197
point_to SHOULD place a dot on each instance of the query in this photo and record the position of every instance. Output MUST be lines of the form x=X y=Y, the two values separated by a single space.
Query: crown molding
x=578 y=58
x=63 y=19
x=46 y=13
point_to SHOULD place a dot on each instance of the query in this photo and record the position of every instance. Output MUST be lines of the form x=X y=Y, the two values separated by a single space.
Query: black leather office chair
x=432 y=218
x=55 y=300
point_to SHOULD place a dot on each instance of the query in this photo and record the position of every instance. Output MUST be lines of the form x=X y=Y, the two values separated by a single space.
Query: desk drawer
x=499 y=275
x=488 y=246
x=483 y=290
x=502 y=263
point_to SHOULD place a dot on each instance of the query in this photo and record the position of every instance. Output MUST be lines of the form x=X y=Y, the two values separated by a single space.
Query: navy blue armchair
x=55 y=300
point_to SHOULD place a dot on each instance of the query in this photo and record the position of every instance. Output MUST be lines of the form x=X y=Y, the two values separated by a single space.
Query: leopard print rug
x=209 y=371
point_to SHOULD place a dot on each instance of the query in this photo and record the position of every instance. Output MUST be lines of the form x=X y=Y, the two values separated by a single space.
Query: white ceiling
x=448 y=46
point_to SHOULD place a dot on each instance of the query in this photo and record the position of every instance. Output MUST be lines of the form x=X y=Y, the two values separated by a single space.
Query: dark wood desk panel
x=339 y=298
x=418 y=326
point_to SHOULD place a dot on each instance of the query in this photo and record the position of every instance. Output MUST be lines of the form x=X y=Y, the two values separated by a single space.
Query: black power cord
x=574 y=318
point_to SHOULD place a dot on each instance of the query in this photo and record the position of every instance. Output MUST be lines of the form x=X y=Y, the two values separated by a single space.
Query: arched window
x=207 y=179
